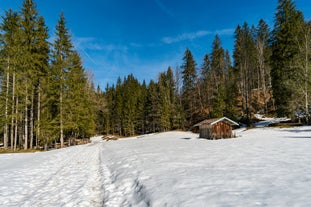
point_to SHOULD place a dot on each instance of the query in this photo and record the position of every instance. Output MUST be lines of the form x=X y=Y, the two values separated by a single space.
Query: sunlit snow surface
x=262 y=167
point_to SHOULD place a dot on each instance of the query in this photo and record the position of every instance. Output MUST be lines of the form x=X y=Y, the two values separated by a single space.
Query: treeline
x=45 y=93
x=269 y=75
x=46 y=97
x=131 y=107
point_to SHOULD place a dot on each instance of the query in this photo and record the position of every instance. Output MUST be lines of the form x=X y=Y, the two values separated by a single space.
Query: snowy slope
x=262 y=167
x=66 y=177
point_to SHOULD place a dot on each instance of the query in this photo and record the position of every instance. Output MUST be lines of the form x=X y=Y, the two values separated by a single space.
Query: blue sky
x=144 y=37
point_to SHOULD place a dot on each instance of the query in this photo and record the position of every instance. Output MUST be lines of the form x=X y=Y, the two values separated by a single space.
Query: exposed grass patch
x=285 y=125
x=3 y=151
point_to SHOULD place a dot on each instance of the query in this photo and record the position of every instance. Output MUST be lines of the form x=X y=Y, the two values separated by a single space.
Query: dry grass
x=3 y=151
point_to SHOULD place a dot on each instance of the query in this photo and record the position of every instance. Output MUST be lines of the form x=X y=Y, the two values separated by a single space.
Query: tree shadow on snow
x=296 y=133
x=186 y=138
x=293 y=130
x=298 y=137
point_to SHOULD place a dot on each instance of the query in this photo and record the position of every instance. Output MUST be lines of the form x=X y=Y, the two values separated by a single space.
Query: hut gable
x=218 y=128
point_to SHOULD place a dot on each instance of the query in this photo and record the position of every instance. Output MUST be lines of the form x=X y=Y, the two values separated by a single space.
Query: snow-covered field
x=262 y=167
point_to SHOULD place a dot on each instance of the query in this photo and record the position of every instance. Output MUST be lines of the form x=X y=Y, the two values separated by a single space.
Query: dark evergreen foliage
x=189 y=94
x=285 y=49
x=46 y=96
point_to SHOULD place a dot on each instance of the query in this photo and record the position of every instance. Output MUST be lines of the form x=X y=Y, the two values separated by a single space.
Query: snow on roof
x=216 y=120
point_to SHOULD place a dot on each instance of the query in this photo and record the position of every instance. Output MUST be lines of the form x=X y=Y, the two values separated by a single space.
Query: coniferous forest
x=46 y=96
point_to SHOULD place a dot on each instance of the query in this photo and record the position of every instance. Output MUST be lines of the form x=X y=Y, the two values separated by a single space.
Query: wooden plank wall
x=219 y=130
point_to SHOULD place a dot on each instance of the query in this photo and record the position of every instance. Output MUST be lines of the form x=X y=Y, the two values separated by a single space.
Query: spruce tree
x=29 y=43
x=109 y=121
x=285 y=50
x=153 y=107
x=218 y=78
x=179 y=117
x=263 y=52
x=303 y=61
x=206 y=87
x=172 y=97
x=165 y=101
x=9 y=59
x=131 y=93
x=41 y=76
x=79 y=113
x=118 y=103
x=189 y=87
x=41 y=100
x=100 y=111
x=244 y=69
x=141 y=115
x=61 y=54
x=232 y=110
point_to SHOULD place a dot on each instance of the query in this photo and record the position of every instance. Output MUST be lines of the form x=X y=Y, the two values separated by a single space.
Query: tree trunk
x=6 y=126
x=12 y=118
x=31 y=120
x=26 y=122
x=38 y=115
x=261 y=60
x=61 y=121
x=200 y=97
x=16 y=124
x=306 y=76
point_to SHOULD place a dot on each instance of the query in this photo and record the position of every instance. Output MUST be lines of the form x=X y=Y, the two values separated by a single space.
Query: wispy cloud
x=164 y=8
x=225 y=31
x=87 y=43
x=185 y=36
x=195 y=35
x=90 y=43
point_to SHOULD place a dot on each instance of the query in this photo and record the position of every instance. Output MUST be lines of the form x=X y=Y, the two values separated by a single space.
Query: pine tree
x=206 y=87
x=37 y=96
x=34 y=64
x=9 y=54
x=263 y=56
x=171 y=84
x=61 y=53
x=303 y=61
x=107 y=123
x=27 y=59
x=285 y=73
x=218 y=78
x=78 y=105
x=131 y=92
x=165 y=99
x=102 y=116
x=118 y=107
x=189 y=88
x=41 y=75
x=232 y=109
x=29 y=27
x=244 y=67
x=153 y=107
x=179 y=119
x=141 y=115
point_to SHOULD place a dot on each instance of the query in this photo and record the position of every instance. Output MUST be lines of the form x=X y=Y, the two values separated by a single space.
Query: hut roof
x=216 y=120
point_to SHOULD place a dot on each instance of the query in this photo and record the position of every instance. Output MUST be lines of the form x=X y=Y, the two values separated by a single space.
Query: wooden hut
x=218 y=128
